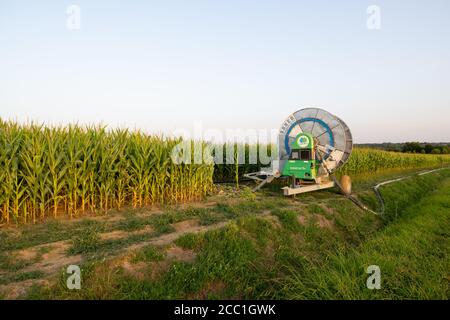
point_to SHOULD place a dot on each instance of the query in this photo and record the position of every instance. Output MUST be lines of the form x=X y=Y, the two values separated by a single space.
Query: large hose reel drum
x=332 y=137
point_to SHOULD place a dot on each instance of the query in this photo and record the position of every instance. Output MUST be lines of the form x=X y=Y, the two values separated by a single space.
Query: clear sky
x=164 y=65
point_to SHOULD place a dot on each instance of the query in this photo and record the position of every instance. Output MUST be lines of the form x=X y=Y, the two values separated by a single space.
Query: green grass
x=190 y=241
x=21 y=276
x=52 y=231
x=256 y=257
x=288 y=218
x=148 y=253
x=245 y=257
x=130 y=223
x=86 y=241
x=413 y=254
x=12 y=264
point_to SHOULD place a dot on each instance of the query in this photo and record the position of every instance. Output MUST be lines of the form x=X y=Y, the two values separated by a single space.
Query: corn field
x=72 y=170
x=363 y=160
x=54 y=171
x=239 y=159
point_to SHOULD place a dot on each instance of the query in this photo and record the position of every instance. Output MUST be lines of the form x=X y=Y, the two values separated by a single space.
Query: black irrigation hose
x=377 y=192
x=380 y=200
x=352 y=198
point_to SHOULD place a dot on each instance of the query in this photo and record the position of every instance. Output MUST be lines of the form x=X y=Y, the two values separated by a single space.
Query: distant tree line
x=416 y=147
x=411 y=147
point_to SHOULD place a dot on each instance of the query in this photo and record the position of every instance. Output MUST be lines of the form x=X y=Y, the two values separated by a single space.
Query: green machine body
x=301 y=163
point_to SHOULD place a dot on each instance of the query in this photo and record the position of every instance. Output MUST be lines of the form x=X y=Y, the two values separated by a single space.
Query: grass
x=86 y=241
x=25 y=236
x=12 y=264
x=147 y=254
x=22 y=276
x=288 y=218
x=190 y=241
x=412 y=252
x=33 y=235
x=130 y=223
x=276 y=256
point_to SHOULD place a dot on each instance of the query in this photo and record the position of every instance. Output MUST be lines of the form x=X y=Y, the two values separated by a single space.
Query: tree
x=436 y=151
x=428 y=148
x=413 y=147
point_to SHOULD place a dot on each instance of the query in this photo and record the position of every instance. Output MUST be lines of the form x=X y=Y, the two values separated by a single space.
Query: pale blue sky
x=163 y=65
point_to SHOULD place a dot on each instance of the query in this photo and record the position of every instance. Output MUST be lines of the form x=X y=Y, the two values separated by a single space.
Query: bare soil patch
x=136 y=270
x=186 y=224
x=180 y=254
x=211 y=288
x=55 y=259
x=323 y=222
x=302 y=220
x=17 y=289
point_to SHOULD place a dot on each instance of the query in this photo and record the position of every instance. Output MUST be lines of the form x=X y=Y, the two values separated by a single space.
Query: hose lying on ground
x=377 y=191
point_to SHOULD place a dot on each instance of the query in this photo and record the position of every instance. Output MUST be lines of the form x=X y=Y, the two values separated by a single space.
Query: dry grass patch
x=179 y=254
x=16 y=290
x=186 y=224
x=303 y=220
x=323 y=222
x=210 y=289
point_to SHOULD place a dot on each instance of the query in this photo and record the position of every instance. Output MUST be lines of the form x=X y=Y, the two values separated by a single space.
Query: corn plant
x=74 y=170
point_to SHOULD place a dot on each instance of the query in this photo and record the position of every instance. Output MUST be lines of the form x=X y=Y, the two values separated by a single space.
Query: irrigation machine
x=312 y=145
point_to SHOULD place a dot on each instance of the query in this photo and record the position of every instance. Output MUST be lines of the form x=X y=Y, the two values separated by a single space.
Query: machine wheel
x=346 y=184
